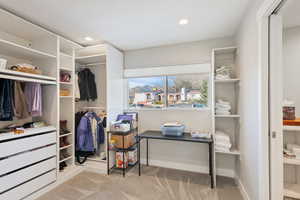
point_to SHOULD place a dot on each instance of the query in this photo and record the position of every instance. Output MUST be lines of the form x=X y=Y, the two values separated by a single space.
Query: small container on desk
x=122 y=143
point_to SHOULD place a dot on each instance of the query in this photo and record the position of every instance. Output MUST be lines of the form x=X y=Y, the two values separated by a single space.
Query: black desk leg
x=139 y=154
x=147 y=146
x=211 y=165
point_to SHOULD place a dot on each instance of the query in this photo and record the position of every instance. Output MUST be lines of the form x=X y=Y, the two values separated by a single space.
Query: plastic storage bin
x=172 y=130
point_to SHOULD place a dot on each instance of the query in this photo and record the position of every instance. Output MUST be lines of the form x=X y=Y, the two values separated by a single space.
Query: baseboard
x=59 y=181
x=189 y=167
x=242 y=189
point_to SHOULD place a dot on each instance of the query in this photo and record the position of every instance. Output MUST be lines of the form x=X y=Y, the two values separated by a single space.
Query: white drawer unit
x=18 y=145
x=27 y=164
x=25 y=159
x=29 y=187
x=26 y=174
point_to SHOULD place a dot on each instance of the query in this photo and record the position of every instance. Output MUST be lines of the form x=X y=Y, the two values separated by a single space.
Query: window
x=183 y=91
x=187 y=91
x=146 y=92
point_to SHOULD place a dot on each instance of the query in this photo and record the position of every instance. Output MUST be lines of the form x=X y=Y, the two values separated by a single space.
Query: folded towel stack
x=222 y=142
x=223 y=72
x=223 y=107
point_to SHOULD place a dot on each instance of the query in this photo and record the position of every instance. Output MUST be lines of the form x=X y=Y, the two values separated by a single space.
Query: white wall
x=184 y=156
x=247 y=61
x=187 y=53
x=291 y=66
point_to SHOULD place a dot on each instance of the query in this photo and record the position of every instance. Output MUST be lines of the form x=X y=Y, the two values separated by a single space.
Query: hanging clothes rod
x=95 y=108
x=93 y=64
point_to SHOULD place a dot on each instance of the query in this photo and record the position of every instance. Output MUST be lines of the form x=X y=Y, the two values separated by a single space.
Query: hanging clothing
x=19 y=103
x=6 y=100
x=77 y=91
x=85 y=137
x=33 y=94
x=87 y=85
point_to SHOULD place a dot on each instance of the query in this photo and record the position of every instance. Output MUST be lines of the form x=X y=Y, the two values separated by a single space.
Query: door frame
x=263 y=14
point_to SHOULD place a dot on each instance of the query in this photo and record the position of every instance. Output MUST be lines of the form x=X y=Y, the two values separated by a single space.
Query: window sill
x=168 y=109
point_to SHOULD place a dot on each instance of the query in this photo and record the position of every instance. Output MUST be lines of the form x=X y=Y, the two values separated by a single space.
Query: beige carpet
x=154 y=184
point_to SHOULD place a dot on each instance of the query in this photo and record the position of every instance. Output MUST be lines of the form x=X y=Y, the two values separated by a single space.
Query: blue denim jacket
x=84 y=133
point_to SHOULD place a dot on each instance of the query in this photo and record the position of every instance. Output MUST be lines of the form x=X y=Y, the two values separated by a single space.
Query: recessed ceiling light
x=183 y=22
x=88 y=38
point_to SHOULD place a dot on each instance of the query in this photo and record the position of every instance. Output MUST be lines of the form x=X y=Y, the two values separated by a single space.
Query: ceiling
x=290 y=13
x=133 y=24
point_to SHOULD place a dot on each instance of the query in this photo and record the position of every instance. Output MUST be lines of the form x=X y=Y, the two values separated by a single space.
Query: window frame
x=166 y=105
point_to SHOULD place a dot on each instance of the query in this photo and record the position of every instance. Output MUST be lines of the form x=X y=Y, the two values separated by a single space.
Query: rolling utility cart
x=125 y=147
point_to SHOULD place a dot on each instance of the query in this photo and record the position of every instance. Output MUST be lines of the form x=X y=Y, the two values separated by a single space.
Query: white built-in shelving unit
x=66 y=64
x=29 y=161
x=227 y=90
x=291 y=165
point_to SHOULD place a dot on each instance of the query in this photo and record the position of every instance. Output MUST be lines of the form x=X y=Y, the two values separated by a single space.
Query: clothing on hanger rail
x=90 y=133
x=87 y=85
x=19 y=100
x=6 y=98
x=33 y=93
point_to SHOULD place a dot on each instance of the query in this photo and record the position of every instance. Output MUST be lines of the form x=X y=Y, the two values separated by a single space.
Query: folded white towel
x=220 y=101
x=222 y=106
x=221 y=136
x=223 y=113
x=223 y=145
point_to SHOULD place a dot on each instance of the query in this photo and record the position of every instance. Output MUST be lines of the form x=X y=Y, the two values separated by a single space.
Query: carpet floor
x=154 y=184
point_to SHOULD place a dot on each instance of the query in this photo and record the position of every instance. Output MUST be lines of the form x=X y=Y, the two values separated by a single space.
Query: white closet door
x=275 y=108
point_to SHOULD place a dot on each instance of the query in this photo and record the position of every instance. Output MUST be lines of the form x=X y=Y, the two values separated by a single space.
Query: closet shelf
x=19 y=51
x=66 y=159
x=292 y=191
x=68 y=171
x=23 y=79
x=28 y=131
x=65 y=83
x=291 y=161
x=227 y=116
x=65 y=147
x=64 y=135
x=27 y=75
x=291 y=128
x=65 y=69
x=96 y=159
x=86 y=60
x=66 y=97
x=228 y=81
x=232 y=152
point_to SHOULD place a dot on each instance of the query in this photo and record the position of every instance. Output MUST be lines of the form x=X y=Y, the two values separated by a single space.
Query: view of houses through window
x=182 y=91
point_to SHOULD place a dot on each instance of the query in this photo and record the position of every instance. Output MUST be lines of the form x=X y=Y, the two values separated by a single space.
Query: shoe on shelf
x=61 y=142
x=62 y=166
x=64 y=154
x=63 y=127
x=65 y=141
